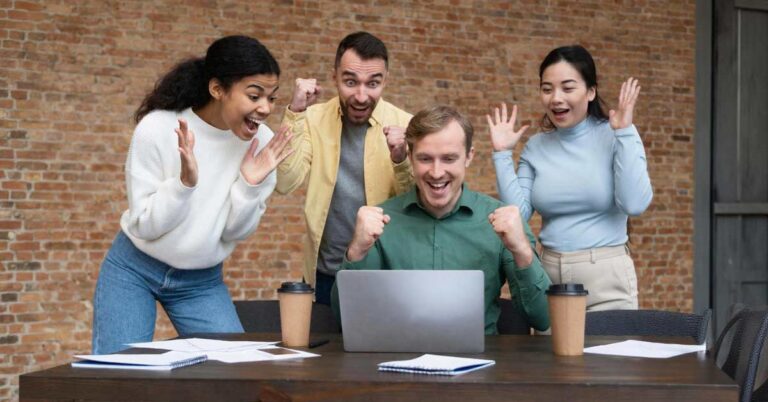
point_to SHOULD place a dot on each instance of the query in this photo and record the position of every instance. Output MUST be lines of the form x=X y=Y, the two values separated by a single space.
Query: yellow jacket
x=317 y=139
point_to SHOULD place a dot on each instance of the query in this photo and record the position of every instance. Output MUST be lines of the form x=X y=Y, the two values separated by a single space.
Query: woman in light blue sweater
x=585 y=175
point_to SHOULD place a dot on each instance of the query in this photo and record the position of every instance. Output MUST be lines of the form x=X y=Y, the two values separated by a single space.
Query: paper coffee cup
x=567 y=313
x=295 y=312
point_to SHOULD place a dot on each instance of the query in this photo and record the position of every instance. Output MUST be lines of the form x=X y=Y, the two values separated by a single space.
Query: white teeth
x=438 y=185
x=256 y=121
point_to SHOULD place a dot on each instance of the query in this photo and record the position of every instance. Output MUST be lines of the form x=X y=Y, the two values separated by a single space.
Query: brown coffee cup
x=567 y=313
x=295 y=312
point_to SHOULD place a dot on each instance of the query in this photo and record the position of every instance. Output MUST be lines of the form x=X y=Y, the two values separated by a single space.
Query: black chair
x=740 y=352
x=648 y=323
x=264 y=316
x=511 y=322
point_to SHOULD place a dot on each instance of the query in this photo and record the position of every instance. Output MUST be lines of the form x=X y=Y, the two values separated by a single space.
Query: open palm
x=503 y=134
x=622 y=118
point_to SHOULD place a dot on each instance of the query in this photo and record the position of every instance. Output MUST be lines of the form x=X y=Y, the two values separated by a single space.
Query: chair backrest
x=511 y=321
x=648 y=323
x=264 y=316
x=739 y=349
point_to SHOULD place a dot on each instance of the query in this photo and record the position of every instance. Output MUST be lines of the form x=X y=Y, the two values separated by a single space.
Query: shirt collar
x=465 y=202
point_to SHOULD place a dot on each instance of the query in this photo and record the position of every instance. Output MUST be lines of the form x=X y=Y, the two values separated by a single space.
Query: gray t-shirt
x=348 y=197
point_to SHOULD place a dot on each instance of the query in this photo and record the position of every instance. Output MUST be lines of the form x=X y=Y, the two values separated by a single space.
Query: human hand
x=188 y=173
x=255 y=167
x=627 y=97
x=305 y=94
x=508 y=225
x=503 y=134
x=368 y=228
x=398 y=148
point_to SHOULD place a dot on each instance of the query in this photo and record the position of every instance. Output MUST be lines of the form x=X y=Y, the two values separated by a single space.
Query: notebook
x=436 y=365
x=164 y=361
x=422 y=311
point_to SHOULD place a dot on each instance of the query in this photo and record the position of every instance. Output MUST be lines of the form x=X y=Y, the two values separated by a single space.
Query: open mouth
x=438 y=187
x=560 y=112
x=252 y=124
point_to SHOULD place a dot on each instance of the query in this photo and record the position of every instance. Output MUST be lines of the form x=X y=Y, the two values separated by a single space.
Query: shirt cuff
x=502 y=154
x=627 y=131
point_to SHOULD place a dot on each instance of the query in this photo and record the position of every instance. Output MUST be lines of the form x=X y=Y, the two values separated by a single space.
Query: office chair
x=740 y=353
x=264 y=316
x=649 y=323
x=511 y=322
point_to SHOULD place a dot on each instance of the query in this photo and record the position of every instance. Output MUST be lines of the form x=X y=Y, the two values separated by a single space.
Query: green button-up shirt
x=463 y=239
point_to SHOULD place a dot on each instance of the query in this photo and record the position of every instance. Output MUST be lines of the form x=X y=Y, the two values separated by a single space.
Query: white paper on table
x=645 y=349
x=201 y=345
x=258 y=355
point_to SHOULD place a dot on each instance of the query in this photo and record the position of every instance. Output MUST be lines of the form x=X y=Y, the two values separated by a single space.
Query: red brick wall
x=72 y=73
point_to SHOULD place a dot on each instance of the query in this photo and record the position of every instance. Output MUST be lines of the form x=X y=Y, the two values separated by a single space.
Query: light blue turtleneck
x=584 y=181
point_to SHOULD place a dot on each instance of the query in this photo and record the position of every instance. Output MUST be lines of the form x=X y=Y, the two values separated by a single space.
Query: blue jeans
x=323 y=286
x=130 y=282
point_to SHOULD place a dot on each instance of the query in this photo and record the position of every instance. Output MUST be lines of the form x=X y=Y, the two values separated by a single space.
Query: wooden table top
x=525 y=370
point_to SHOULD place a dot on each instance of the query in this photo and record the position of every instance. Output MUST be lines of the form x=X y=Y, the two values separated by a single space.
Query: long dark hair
x=580 y=59
x=227 y=60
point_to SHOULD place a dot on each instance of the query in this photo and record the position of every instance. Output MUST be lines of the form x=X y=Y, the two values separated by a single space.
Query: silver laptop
x=412 y=311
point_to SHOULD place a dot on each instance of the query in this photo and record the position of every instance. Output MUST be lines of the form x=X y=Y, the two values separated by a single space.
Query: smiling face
x=440 y=161
x=564 y=95
x=244 y=106
x=360 y=84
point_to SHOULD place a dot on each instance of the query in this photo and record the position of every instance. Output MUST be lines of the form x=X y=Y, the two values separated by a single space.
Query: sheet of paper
x=259 y=354
x=200 y=345
x=645 y=349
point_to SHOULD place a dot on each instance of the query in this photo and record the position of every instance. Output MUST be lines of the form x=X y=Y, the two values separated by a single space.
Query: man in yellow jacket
x=353 y=149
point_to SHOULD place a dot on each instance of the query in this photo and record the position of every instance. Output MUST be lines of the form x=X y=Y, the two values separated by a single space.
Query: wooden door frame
x=702 y=216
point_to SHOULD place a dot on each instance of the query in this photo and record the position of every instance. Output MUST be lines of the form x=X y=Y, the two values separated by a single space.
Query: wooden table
x=525 y=370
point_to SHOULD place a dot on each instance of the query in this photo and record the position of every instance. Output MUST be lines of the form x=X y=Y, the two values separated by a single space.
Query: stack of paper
x=228 y=351
x=436 y=365
x=645 y=349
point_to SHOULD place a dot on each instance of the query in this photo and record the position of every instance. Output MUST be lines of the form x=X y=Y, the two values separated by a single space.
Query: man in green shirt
x=441 y=224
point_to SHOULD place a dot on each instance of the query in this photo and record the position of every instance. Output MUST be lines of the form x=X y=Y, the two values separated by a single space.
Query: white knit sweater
x=190 y=228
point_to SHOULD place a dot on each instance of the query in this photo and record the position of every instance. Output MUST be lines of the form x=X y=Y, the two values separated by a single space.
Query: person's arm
x=248 y=194
x=293 y=170
x=521 y=265
x=156 y=204
x=514 y=188
x=632 y=185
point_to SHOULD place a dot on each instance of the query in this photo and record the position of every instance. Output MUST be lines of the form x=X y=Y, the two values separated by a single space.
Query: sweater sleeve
x=156 y=204
x=293 y=170
x=514 y=189
x=632 y=185
x=247 y=205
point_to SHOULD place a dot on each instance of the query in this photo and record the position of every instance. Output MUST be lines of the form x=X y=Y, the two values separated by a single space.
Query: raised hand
x=368 y=227
x=305 y=94
x=503 y=134
x=508 y=225
x=398 y=149
x=256 y=166
x=627 y=98
x=188 y=174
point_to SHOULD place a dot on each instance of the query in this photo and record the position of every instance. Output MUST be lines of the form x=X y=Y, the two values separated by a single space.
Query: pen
x=317 y=343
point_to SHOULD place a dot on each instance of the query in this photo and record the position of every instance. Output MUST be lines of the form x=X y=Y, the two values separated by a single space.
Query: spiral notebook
x=436 y=365
x=163 y=361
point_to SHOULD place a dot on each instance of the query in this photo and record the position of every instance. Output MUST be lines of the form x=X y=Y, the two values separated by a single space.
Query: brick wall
x=72 y=73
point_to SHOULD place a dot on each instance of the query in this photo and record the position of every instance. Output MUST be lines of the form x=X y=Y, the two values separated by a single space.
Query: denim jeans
x=323 y=286
x=130 y=281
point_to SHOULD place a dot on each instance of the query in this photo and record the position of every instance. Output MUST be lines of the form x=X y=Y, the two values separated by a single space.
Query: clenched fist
x=306 y=93
x=398 y=149
x=368 y=227
x=508 y=224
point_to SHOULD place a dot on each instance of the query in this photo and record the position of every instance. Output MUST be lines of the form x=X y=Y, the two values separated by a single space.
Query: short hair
x=365 y=45
x=434 y=119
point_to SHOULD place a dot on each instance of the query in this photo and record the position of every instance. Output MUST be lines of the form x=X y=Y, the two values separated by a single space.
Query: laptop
x=412 y=311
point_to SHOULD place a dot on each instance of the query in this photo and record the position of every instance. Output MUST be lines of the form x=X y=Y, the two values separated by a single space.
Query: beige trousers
x=607 y=273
